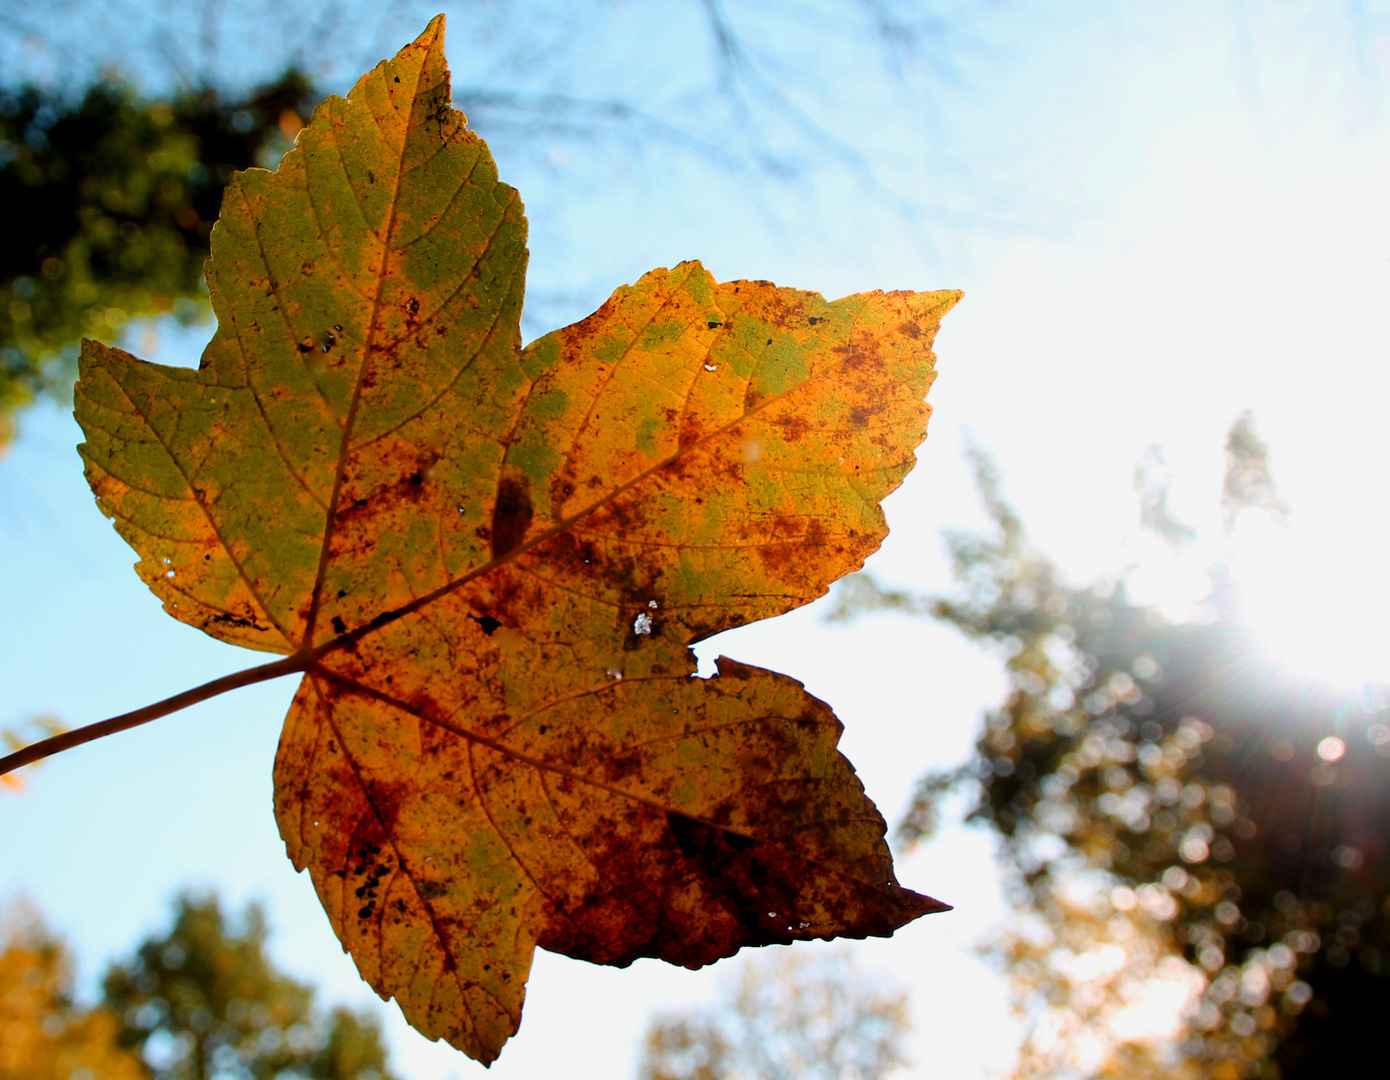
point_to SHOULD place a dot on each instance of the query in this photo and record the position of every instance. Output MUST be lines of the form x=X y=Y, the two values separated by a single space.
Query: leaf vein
x=316 y=595
x=207 y=516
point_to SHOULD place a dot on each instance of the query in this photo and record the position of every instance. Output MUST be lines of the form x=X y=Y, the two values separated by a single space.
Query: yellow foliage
x=43 y=1034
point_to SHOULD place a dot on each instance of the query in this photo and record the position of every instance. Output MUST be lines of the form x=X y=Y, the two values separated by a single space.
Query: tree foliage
x=1190 y=830
x=786 y=1016
x=44 y=1033
x=203 y=1000
x=109 y=203
x=199 y=1000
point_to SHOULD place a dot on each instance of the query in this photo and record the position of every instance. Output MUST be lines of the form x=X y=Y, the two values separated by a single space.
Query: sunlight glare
x=1319 y=609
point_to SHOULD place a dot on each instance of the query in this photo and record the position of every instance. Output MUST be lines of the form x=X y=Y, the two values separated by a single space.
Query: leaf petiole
x=67 y=740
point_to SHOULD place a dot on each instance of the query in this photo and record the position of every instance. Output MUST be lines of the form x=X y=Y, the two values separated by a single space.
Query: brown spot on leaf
x=794 y=427
x=512 y=513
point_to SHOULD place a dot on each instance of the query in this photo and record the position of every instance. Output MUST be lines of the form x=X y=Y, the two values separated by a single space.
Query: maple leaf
x=489 y=562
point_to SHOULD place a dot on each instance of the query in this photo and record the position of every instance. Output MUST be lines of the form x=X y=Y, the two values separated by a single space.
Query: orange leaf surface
x=493 y=560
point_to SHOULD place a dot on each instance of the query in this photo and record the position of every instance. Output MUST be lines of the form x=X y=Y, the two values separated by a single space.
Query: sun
x=1322 y=613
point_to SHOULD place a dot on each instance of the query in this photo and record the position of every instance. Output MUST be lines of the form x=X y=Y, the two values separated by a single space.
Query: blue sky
x=1161 y=215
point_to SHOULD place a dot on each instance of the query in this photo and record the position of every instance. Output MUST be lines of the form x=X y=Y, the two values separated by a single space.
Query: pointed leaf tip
x=433 y=34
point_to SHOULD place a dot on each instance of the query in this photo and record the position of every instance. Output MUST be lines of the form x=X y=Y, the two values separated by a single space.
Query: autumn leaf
x=490 y=563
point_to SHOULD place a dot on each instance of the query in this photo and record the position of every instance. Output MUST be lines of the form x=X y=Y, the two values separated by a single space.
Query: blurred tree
x=1153 y=480
x=202 y=1000
x=1249 y=484
x=44 y=1035
x=791 y=1015
x=109 y=202
x=1194 y=837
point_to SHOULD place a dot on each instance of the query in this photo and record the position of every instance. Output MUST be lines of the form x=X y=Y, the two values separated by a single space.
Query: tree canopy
x=200 y=999
x=203 y=999
x=47 y=1035
x=788 y=1015
x=110 y=200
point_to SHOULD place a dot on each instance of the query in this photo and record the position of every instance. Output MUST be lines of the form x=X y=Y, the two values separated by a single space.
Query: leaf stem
x=68 y=739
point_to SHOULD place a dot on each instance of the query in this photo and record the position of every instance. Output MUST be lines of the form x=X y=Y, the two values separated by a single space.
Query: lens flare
x=1320 y=614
